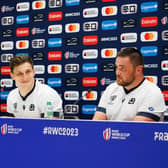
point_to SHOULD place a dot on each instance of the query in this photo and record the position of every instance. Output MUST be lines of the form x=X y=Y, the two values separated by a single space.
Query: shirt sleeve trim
x=149 y=115
x=101 y=109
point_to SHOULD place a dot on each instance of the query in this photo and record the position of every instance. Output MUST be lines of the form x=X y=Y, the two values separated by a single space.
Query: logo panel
x=54 y=69
x=109 y=10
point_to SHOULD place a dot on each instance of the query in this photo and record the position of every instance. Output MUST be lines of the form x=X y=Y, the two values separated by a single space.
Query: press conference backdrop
x=74 y=44
x=59 y=143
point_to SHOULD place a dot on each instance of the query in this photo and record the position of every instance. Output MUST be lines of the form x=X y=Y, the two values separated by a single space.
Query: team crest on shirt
x=112 y=98
x=131 y=101
x=15 y=107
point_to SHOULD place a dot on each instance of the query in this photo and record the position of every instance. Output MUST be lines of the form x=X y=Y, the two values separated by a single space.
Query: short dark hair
x=18 y=60
x=134 y=54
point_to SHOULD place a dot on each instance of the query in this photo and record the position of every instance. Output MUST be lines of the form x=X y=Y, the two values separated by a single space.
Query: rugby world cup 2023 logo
x=107 y=134
x=4 y=129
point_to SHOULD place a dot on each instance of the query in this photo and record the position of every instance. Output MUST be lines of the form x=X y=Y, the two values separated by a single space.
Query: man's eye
x=19 y=74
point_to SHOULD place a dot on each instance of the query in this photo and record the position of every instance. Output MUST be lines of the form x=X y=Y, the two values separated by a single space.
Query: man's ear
x=34 y=71
x=12 y=76
x=139 y=68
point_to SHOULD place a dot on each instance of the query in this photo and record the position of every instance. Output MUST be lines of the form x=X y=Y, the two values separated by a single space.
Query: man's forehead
x=22 y=67
x=123 y=60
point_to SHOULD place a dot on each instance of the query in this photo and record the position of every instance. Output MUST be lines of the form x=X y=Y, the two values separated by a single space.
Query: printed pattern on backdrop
x=73 y=44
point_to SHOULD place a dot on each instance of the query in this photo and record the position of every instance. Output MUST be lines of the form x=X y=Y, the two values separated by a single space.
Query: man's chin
x=119 y=82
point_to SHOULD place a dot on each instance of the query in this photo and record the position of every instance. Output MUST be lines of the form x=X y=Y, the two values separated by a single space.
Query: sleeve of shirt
x=10 y=108
x=152 y=106
x=9 y=104
x=52 y=104
x=103 y=101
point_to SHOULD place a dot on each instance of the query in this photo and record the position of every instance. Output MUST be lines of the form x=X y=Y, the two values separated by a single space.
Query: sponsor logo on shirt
x=147 y=7
x=71 y=95
x=89 y=109
x=109 y=10
x=90 y=68
x=7 y=45
x=132 y=101
x=55 y=3
x=90 y=12
x=22 y=19
x=89 y=81
x=54 y=82
x=90 y=40
x=71 y=68
x=7 y=20
x=23 y=6
x=149 y=50
x=129 y=9
x=90 y=54
x=54 y=69
x=72 y=2
x=149 y=21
